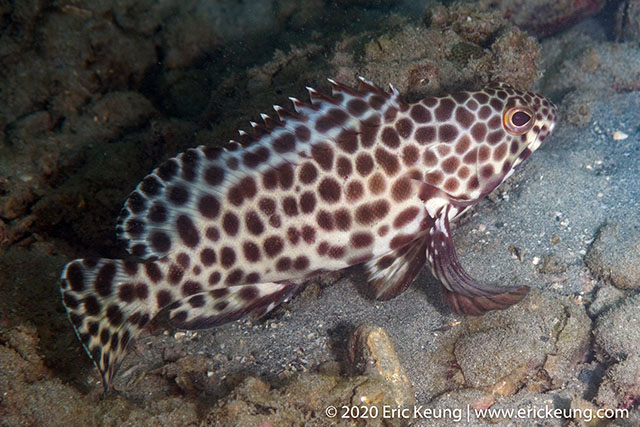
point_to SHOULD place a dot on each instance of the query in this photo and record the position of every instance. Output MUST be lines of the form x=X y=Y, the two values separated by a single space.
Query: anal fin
x=463 y=293
x=391 y=274
x=225 y=304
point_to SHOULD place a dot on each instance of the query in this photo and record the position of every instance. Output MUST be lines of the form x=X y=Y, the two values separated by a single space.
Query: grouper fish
x=357 y=177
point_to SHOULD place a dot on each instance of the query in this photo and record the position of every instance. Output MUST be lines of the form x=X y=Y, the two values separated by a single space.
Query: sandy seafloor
x=567 y=224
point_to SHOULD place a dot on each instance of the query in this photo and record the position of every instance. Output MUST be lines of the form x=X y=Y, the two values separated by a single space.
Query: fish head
x=508 y=125
x=527 y=119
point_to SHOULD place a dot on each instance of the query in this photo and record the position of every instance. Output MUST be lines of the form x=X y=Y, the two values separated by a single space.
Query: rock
x=29 y=127
x=372 y=353
x=190 y=373
x=302 y=401
x=601 y=67
x=571 y=343
x=22 y=340
x=628 y=21
x=577 y=107
x=108 y=116
x=516 y=59
x=172 y=354
x=585 y=411
x=615 y=256
x=451 y=407
x=20 y=20
x=621 y=384
x=461 y=48
x=68 y=55
x=366 y=3
x=380 y=381
x=485 y=357
x=535 y=345
x=617 y=331
x=551 y=264
x=545 y=17
x=606 y=297
x=198 y=30
x=484 y=352
x=29 y=388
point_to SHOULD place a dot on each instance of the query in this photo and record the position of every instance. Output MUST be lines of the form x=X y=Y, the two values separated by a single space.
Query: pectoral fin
x=463 y=293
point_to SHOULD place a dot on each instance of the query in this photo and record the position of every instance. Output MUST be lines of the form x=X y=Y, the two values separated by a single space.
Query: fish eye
x=517 y=120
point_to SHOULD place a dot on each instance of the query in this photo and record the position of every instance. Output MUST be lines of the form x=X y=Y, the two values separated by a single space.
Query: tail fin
x=108 y=302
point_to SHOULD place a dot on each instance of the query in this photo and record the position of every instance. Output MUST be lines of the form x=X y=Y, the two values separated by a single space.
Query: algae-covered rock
x=615 y=256
x=621 y=383
x=459 y=48
x=544 y=17
x=595 y=69
x=309 y=399
x=617 y=331
x=501 y=352
x=628 y=21
x=606 y=297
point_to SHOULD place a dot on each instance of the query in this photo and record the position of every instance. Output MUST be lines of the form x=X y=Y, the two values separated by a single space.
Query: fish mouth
x=526 y=152
x=535 y=142
x=530 y=148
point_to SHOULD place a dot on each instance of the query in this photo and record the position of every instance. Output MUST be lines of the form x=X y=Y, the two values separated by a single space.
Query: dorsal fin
x=191 y=189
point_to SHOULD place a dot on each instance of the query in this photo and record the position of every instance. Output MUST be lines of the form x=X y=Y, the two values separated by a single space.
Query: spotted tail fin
x=109 y=302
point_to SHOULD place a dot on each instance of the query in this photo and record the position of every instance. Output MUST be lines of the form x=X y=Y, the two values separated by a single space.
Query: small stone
x=504 y=387
x=189 y=373
x=620 y=136
x=172 y=354
x=551 y=264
